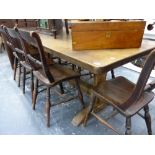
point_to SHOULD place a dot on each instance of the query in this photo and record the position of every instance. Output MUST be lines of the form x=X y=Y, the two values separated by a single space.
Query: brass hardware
x=108 y=34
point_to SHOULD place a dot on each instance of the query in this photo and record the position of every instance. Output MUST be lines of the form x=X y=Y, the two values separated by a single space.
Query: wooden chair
x=19 y=57
x=6 y=46
x=126 y=97
x=11 y=43
x=49 y=76
x=31 y=48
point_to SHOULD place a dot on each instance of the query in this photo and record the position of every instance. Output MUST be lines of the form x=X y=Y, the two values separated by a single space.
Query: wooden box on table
x=107 y=34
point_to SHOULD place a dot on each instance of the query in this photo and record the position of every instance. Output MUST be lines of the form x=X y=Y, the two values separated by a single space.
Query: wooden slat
x=104 y=122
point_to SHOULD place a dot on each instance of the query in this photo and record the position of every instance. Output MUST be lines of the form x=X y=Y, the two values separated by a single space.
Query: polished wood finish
x=126 y=97
x=98 y=62
x=107 y=34
x=30 y=47
x=49 y=76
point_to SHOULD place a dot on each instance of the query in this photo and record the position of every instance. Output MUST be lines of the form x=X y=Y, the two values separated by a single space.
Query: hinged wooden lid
x=101 y=35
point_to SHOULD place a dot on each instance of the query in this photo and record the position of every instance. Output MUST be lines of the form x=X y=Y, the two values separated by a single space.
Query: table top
x=96 y=61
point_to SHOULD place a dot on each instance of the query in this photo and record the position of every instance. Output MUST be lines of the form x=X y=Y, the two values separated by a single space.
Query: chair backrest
x=13 y=38
x=41 y=51
x=34 y=38
x=26 y=37
x=27 y=40
x=142 y=80
x=14 y=42
x=6 y=39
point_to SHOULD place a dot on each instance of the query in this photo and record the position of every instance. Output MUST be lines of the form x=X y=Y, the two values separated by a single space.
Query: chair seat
x=117 y=91
x=59 y=72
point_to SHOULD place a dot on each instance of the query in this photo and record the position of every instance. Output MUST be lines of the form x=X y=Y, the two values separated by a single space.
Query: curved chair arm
x=19 y=51
x=34 y=60
x=36 y=65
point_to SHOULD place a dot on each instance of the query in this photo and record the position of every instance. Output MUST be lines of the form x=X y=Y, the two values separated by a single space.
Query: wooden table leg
x=98 y=79
x=66 y=26
x=78 y=119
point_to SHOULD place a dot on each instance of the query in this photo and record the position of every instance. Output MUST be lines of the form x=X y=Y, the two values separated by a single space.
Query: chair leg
x=32 y=83
x=48 y=106
x=112 y=74
x=2 y=48
x=73 y=67
x=90 y=108
x=79 y=69
x=59 y=61
x=24 y=77
x=66 y=26
x=148 y=119
x=35 y=93
x=128 y=126
x=61 y=88
x=19 y=75
x=79 y=92
x=55 y=34
x=15 y=68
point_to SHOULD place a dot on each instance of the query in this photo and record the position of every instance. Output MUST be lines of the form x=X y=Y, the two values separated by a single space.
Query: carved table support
x=78 y=119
